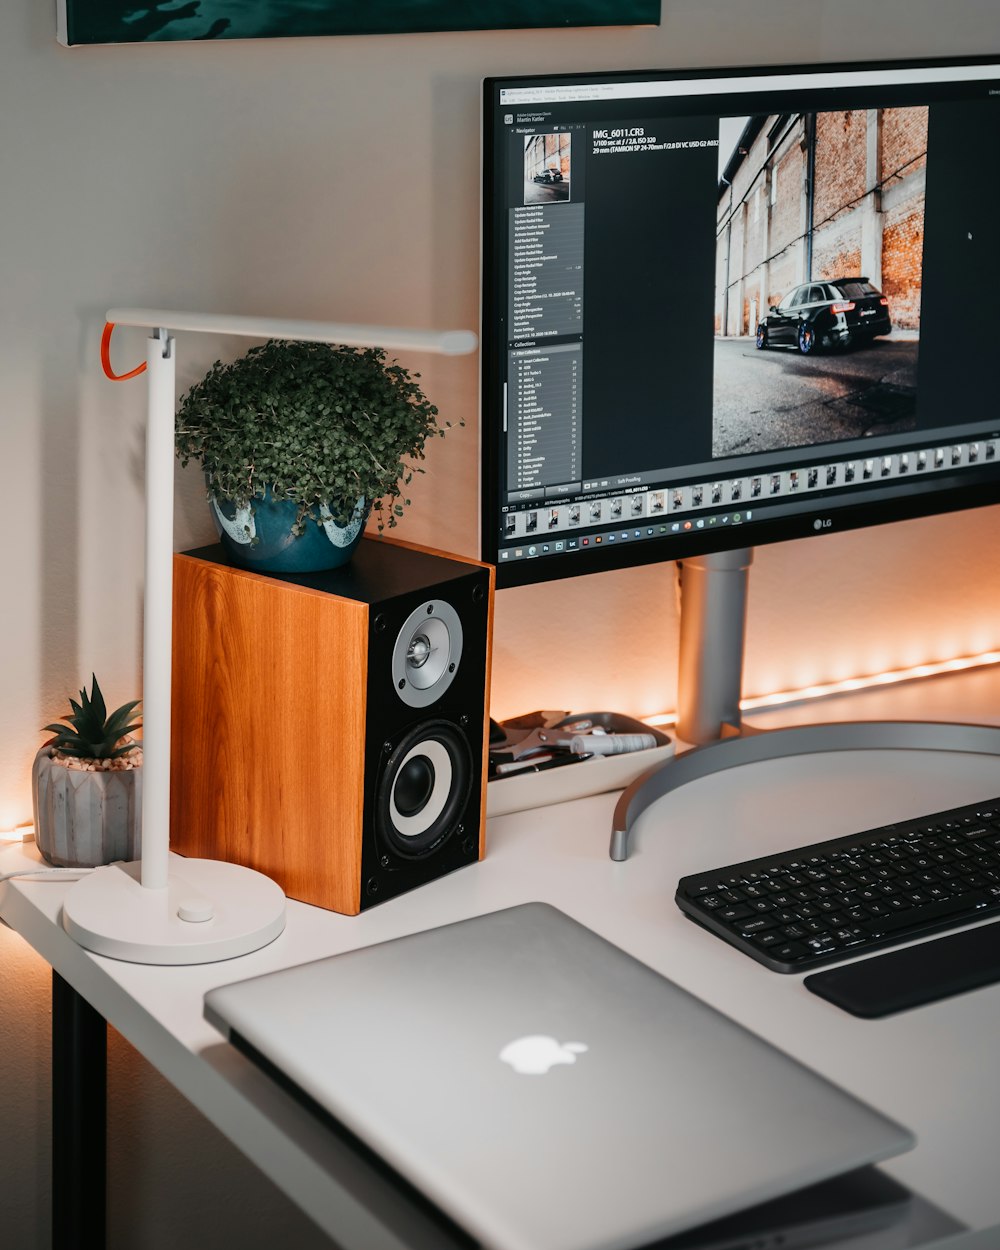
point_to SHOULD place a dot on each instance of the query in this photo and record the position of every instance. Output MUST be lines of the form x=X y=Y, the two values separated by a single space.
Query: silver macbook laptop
x=546 y=1090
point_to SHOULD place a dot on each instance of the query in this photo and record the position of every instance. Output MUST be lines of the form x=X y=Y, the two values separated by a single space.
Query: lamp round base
x=208 y=911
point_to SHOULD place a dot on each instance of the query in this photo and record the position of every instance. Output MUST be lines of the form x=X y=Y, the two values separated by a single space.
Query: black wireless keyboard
x=852 y=895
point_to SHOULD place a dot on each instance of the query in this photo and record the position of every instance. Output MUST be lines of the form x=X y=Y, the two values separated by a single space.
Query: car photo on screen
x=845 y=312
x=819 y=277
x=547 y=168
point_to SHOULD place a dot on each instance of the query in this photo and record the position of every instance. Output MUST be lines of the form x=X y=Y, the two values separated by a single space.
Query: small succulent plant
x=91 y=733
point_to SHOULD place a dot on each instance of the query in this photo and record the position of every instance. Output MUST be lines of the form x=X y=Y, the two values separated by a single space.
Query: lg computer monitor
x=730 y=307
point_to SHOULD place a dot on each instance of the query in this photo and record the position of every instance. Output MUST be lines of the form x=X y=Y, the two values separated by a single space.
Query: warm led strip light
x=933 y=669
x=20 y=833
x=663 y=719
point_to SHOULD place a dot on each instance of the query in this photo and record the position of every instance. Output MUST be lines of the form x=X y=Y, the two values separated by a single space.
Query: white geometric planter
x=82 y=818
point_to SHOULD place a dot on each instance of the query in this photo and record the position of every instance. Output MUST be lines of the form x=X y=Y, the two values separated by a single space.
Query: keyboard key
x=790 y=952
x=934 y=911
x=749 y=927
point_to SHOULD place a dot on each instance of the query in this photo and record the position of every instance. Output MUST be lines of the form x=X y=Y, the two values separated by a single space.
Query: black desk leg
x=79 y=1120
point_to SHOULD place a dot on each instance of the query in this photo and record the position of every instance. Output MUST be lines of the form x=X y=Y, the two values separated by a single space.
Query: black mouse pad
x=918 y=974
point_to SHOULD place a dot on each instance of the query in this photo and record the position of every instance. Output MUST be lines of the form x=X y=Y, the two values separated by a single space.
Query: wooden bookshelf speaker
x=331 y=729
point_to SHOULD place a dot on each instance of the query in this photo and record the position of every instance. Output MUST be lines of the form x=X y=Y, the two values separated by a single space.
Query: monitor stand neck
x=712 y=634
x=710 y=680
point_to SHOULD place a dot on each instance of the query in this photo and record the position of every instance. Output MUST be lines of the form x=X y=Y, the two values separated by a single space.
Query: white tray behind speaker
x=601 y=773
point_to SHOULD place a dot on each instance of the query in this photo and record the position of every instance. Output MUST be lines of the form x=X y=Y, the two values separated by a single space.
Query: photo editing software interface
x=754 y=301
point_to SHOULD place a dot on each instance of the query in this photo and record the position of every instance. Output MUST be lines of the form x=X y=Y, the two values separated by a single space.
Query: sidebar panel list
x=543 y=392
x=546 y=290
x=544 y=417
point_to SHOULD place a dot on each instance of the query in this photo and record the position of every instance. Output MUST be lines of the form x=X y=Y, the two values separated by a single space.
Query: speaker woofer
x=427 y=653
x=423 y=788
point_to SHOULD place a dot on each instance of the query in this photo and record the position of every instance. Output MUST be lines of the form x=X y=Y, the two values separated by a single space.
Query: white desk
x=933 y=1069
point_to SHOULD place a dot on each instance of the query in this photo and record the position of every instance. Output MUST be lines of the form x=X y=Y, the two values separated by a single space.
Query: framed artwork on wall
x=149 y=21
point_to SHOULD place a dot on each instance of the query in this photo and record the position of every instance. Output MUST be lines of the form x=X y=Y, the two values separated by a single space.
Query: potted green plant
x=86 y=785
x=298 y=443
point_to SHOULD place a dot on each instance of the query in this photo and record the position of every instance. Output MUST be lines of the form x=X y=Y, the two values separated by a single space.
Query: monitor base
x=770 y=744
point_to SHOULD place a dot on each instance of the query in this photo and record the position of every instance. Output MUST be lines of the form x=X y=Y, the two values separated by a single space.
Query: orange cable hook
x=106 y=357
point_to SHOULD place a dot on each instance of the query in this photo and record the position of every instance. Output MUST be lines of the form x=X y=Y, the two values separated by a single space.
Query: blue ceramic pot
x=260 y=537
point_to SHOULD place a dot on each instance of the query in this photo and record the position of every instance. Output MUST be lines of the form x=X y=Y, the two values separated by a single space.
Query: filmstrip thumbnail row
x=838 y=474
x=591 y=512
x=655 y=504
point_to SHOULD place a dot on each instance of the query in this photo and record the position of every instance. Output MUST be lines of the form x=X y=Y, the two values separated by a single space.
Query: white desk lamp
x=202 y=910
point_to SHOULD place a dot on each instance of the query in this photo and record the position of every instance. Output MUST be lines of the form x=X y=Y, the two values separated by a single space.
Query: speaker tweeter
x=427 y=653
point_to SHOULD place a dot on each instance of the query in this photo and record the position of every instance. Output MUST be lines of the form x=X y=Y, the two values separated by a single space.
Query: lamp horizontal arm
x=444 y=342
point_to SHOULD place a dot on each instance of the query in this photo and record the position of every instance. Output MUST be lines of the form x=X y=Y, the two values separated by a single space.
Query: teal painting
x=131 y=21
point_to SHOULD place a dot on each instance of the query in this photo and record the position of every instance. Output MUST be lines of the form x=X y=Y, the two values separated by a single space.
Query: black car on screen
x=841 y=312
x=549 y=175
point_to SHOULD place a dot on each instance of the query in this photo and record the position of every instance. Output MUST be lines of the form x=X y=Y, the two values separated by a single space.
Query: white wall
x=338 y=179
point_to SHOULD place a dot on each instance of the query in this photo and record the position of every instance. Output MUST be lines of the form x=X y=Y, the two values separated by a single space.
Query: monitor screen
x=732 y=307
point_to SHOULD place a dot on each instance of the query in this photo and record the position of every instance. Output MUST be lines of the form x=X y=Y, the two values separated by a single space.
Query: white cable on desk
x=50 y=874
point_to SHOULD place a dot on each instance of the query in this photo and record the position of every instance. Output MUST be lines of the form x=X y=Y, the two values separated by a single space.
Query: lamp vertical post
x=157 y=630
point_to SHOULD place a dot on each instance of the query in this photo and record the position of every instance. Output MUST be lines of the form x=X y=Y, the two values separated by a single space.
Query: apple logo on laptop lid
x=535 y=1054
